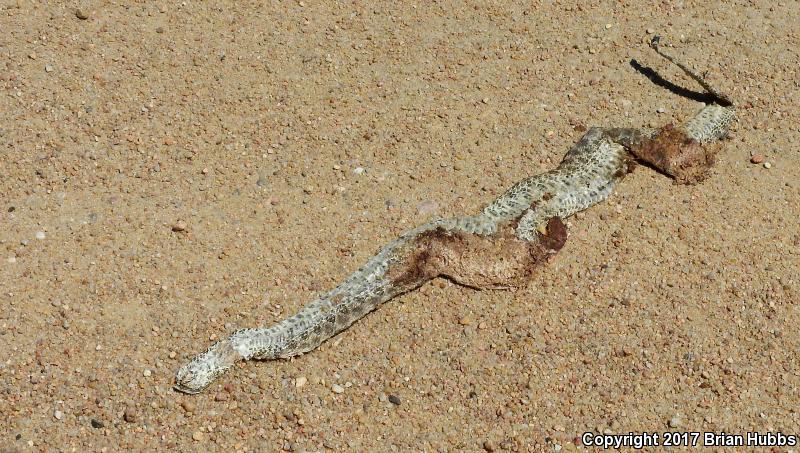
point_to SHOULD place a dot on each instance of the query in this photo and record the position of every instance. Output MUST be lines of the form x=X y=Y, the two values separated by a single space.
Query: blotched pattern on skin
x=586 y=176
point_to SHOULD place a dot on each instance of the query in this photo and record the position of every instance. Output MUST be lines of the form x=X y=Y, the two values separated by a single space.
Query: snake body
x=500 y=246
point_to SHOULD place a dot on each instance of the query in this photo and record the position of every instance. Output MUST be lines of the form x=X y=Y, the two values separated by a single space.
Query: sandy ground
x=294 y=138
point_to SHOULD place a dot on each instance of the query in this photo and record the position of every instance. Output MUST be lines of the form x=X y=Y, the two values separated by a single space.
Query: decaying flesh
x=499 y=247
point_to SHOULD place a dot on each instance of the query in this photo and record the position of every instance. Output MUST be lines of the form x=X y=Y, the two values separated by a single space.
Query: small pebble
x=48 y=68
x=394 y=399
x=179 y=226
x=147 y=373
x=661 y=110
x=757 y=158
x=675 y=422
x=485 y=100
x=336 y=388
x=427 y=207
x=96 y=424
x=489 y=446
x=81 y=14
x=188 y=406
x=130 y=415
x=262 y=181
x=12 y=259
x=465 y=321
x=767 y=165
x=383 y=398
x=301 y=381
x=58 y=415
x=358 y=170
x=40 y=235
x=197 y=436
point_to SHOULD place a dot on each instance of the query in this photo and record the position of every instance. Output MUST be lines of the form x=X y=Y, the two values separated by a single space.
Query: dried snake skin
x=500 y=247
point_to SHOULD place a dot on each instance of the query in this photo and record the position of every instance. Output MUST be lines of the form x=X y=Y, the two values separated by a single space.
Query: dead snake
x=500 y=247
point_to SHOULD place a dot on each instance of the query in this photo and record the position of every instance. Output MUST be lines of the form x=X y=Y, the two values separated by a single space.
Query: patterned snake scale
x=500 y=247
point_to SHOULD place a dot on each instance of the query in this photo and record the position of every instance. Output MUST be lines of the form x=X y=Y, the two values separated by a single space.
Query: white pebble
x=358 y=170
x=40 y=235
x=58 y=415
x=661 y=110
x=12 y=259
x=336 y=388
x=147 y=373
x=301 y=381
x=427 y=207
x=767 y=165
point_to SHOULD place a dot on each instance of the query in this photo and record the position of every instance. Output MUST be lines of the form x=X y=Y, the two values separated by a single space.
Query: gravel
x=401 y=96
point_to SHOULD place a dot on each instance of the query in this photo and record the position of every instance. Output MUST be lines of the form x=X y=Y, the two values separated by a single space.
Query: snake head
x=201 y=371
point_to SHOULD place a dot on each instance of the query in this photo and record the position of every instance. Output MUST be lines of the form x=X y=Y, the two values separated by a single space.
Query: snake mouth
x=184 y=389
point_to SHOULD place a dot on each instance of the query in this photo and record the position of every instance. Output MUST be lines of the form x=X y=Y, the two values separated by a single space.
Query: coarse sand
x=169 y=174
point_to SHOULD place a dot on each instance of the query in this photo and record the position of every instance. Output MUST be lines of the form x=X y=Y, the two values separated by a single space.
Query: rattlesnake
x=500 y=247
